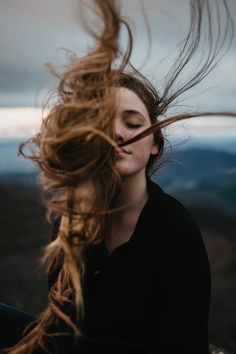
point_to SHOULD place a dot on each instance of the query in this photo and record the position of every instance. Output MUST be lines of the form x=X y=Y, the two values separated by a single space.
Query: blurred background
x=202 y=168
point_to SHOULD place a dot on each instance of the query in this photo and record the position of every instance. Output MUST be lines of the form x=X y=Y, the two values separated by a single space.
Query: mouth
x=122 y=151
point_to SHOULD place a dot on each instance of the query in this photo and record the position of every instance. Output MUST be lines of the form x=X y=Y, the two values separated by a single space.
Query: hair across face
x=152 y=104
x=131 y=118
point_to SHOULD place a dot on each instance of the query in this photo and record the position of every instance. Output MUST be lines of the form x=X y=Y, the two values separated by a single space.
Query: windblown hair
x=75 y=150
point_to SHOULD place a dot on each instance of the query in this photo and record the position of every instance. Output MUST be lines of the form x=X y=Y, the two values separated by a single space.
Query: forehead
x=128 y=100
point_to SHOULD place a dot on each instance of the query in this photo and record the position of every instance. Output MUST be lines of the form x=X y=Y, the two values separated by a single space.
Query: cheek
x=142 y=149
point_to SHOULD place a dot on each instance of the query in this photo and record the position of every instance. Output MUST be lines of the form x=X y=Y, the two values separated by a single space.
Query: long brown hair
x=75 y=150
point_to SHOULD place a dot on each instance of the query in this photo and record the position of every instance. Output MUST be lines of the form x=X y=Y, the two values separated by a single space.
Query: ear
x=154 y=150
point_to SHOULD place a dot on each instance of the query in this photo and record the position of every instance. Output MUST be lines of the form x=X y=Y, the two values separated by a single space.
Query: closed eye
x=133 y=126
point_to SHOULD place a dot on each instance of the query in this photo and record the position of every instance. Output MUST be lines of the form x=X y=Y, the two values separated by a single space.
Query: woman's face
x=132 y=118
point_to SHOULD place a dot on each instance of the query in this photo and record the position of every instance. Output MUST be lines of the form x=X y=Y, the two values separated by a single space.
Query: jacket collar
x=151 y=220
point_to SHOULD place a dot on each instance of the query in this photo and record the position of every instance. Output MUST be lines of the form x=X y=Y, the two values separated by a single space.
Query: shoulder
x=169 y=211
x=182 y=247
x=175 y=225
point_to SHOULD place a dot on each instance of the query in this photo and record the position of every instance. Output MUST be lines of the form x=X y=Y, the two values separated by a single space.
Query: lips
x=123 y=151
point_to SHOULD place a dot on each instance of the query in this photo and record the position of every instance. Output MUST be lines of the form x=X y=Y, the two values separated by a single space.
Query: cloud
x=25 y=122
x=19 y=122
x=204 y=127
x=32 y=32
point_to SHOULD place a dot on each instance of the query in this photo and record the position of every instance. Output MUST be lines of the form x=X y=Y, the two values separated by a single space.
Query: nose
x=119 y=131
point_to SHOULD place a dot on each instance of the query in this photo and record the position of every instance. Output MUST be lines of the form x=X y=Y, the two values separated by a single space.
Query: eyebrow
x=133 y=111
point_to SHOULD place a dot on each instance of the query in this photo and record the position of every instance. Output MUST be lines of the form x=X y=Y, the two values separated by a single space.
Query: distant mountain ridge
x=196 y=176
x=10 y=162
x=201 y=177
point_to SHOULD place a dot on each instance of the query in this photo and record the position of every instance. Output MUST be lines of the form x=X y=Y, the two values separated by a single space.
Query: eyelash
x=133 y=126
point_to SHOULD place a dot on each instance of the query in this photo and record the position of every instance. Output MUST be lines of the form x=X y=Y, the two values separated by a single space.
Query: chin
x=125 y=173
x=128 y=170
x=121 y=169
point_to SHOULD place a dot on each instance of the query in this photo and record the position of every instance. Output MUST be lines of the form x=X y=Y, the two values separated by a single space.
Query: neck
x=132 y=195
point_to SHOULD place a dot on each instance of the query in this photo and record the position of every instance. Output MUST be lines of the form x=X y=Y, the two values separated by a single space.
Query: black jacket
x=152 y=293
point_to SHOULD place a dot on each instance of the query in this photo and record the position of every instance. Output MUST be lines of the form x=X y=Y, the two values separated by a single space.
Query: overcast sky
x=32 y=31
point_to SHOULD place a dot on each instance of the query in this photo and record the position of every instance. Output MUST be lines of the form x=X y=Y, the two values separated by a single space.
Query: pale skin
x=131 y=118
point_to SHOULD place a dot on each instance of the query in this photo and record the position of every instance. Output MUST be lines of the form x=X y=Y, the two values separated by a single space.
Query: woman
x=128 y=268
x=147 y=285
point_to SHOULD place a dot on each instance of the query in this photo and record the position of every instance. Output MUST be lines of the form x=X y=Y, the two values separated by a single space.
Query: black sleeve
x=184 y=289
